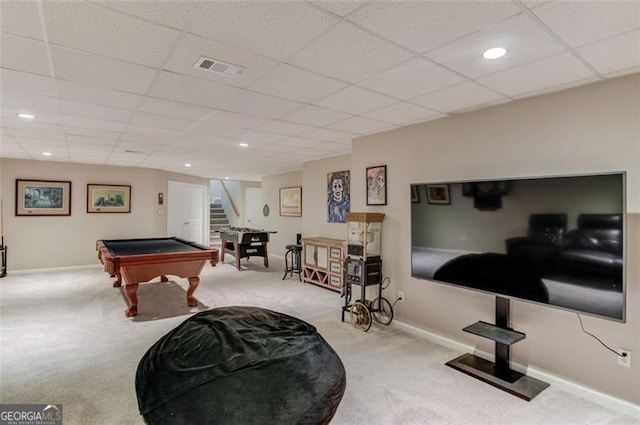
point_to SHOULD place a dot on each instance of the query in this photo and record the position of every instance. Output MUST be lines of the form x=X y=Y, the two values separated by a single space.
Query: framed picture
x=43 y=197
x=103 y=198
x=415 y=194
x=338 y=196
x=438 y=194
x=377 y=185
x=291 y=201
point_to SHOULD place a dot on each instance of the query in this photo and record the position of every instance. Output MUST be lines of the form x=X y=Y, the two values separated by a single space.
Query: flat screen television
x=555 y=241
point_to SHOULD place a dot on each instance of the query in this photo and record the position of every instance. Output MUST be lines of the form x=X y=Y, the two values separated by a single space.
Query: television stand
x=499 y=374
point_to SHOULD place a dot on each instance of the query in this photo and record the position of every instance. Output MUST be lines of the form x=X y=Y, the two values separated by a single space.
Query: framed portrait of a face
x=377 y=185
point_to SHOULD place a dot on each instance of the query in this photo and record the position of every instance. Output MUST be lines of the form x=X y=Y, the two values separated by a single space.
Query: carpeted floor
x=64 y=339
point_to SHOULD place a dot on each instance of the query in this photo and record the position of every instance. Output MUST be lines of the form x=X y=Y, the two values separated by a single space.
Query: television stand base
x=513 y=382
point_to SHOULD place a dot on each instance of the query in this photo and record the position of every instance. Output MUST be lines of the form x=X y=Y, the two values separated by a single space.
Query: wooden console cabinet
x=323 y=262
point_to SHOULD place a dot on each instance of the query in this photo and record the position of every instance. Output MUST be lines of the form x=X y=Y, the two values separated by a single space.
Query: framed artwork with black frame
x=43 y=197
x=415 y=194
x=377 y=185
x=438 y=194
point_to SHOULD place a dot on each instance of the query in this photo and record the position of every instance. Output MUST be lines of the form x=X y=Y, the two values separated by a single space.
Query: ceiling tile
x=173 y=109
x=355 y=100
x=328 y=135
x=297 y=142
x=100 y=71
x=340 y=8
x=28 y=102
x=613 y=54
x=579 y=23
x=87 y=142
x=539 y=75
x=349 y=53
x=403 y=113
x=422 y=26
x=90 y=132
x=109 y=33
x=21 y=18
x=193 y=91
x=97 y=95
x=172 y=13
x=26 y=82
x=253 y=136
x=205 y=131
x=273 y=29
x=30 y=134
x=361 y=125
x=161 y=121
x=285 y=128
x=524 y=40
x=86 y=110
x=23 y=54
x=76 y=121
x=261 y=105
x=152 y=131
x=315 y=116
x=296 y=84
x=192 y=47
x=412 y=78
x=459 y=97
x=224 y=118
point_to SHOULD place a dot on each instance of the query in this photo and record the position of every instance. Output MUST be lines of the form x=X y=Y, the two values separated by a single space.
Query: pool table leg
x=118 y=282
x=132 y=293
x=193 y=284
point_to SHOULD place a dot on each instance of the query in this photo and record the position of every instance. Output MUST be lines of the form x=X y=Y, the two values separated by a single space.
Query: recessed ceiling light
x=25 y=116
x=187 y=165
x=244 y=145
x=46 y=153
x=494 y=53
x=226 y=178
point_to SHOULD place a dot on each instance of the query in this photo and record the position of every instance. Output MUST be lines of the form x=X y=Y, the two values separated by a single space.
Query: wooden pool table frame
x=140 y=268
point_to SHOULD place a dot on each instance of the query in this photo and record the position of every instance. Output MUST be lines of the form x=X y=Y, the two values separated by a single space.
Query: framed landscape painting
x=43 y=197
x=291 y=201
x=102 y=198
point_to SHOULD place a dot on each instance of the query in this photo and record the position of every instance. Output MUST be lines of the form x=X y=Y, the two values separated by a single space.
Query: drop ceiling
x=114 y=82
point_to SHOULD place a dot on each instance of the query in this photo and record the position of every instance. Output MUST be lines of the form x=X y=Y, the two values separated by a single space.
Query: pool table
x=140 y=260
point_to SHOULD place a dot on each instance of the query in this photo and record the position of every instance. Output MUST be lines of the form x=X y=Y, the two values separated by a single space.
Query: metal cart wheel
x=382 y=310
x=360 y=316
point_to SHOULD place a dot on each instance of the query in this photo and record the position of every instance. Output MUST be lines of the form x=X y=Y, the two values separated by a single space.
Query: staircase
x=217 y=220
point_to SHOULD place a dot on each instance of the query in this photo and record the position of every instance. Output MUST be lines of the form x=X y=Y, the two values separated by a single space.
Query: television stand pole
x=498 y=373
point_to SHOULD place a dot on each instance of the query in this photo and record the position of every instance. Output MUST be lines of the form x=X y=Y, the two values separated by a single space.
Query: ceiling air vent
x=219 y=67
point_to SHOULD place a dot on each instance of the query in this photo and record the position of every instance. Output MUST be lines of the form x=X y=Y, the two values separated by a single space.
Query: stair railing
x=233 y=205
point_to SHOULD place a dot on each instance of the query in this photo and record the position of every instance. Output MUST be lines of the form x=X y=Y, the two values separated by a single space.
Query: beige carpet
x=64 y=339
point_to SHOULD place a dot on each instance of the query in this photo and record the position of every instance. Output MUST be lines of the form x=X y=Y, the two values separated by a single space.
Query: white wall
x=287 y=227
x=595 y=128
x=314 y=197
x=41 y=242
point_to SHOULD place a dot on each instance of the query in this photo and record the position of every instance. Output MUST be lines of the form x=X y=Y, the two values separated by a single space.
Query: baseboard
x=571 y=387
x=55 y=269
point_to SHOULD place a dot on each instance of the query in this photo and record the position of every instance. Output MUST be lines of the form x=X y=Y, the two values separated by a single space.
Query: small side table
x=3 y=265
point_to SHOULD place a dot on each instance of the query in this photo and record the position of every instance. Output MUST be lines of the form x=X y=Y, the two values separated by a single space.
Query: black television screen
x=556 y=241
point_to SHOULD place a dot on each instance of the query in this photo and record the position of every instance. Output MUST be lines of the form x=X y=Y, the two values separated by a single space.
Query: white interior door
x=187 y=211
x=252 y=208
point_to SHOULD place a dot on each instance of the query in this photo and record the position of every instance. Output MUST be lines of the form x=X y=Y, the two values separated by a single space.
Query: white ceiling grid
x=113 y=82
